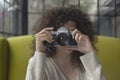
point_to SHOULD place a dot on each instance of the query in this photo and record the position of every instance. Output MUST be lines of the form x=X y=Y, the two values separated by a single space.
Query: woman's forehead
x=70 y=25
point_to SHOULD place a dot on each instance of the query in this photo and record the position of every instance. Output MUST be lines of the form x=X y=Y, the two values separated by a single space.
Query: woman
x=64 y=62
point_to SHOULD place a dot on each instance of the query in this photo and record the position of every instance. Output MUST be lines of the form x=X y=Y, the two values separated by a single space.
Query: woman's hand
x=83 y=43
x=42 y=36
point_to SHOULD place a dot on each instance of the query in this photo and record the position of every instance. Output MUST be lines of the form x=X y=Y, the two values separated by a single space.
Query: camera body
x=62 y=37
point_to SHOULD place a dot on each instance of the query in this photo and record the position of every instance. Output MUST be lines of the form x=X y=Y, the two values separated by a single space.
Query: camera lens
x=63 y=39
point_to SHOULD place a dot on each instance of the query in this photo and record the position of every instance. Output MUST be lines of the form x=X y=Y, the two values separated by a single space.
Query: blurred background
x=17 y=17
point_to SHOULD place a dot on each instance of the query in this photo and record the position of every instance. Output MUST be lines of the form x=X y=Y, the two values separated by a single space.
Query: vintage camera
x=61 y=37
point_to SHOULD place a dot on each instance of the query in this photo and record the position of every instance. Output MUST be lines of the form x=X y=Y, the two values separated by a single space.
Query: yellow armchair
x=3 y=58
x=16 y=51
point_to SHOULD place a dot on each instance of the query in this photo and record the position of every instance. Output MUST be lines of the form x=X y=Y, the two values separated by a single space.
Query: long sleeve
x=92 y=67
x=36 y=65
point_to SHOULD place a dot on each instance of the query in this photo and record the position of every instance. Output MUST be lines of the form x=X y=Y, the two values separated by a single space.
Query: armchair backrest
x=3 y=58
x=109 y=56
x=20 y=50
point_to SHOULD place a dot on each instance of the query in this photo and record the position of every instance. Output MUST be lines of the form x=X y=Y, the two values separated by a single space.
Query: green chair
x=3 y=58
x=16 y=51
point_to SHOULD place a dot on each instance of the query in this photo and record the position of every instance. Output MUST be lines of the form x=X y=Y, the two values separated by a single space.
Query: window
x=11 y=17
x=104 y=14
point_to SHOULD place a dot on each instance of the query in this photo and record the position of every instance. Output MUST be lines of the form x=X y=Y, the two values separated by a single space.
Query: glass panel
x=53 y=3
x=103 y=25
x=91 y=6
x=8 y=22
x=101 y=13
x=72 y=2
x=88 y=6
x=1 y=16
x=32 y=20
x=35 y=6
x=35 y=10
x=118 y=26
x=6 y=17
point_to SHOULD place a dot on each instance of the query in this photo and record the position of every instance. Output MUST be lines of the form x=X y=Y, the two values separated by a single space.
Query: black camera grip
x=47 y=44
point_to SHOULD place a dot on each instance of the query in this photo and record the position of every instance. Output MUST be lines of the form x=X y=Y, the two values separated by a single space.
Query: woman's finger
x=43 y=37
x=75 y=32
x=77 y=37
x=46 y=32
x=46 y=29
x=80 y=37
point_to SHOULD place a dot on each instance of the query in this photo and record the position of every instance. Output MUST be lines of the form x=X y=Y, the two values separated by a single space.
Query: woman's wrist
x=39 y=53
x=89 y=50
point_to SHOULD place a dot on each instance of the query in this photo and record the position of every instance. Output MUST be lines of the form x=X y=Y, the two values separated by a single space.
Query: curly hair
x=57 y=17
